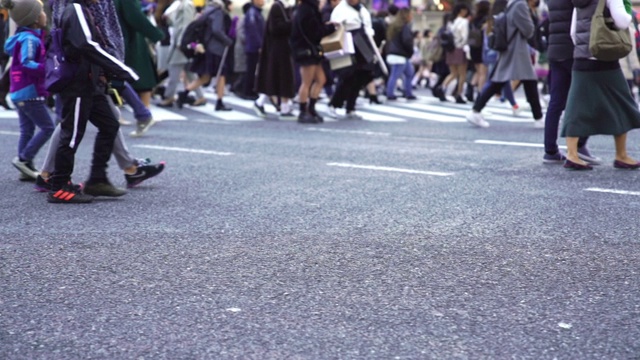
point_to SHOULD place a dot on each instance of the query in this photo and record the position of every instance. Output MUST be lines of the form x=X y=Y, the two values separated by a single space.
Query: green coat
x=135 y=28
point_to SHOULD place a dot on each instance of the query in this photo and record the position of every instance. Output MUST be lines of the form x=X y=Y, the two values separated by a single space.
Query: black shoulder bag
x=313 y=51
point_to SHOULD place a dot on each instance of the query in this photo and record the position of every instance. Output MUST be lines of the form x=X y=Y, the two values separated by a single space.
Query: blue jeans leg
x=32 y=114
x=408 y=77
x=559 y=83
x=140 y=112
x=507 y=92
x=396 y=70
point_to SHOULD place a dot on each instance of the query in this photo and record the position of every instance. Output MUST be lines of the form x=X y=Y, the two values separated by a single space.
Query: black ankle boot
x=159 y=90
x=312 y=110
x=182 y=98
x=306 y=118
x=460 y=100
x=439 y=93
x=469 y=92
x=220 y=106
x=373 y=99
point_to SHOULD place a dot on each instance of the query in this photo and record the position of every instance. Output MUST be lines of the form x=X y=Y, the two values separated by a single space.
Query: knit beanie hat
x=23 y=12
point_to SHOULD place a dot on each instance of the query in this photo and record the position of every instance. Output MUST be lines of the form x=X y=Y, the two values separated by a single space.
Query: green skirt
x=599 y=103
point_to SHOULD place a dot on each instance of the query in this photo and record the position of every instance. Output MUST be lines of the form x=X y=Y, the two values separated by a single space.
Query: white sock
x=261 y=100
x=285 y=107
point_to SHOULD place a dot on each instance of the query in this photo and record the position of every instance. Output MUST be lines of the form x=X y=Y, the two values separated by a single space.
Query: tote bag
x=606 y=43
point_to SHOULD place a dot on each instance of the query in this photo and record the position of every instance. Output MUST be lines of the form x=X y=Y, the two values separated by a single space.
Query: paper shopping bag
x=333 y=41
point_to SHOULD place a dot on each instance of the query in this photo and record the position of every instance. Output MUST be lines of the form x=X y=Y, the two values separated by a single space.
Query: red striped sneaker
x=69 y=194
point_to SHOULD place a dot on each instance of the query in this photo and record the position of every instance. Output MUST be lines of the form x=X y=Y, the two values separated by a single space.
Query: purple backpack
x=59 y=73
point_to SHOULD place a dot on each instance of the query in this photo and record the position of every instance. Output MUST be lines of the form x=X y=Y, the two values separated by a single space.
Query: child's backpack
x=446 y=39
x=194 y=33
x=59 y=73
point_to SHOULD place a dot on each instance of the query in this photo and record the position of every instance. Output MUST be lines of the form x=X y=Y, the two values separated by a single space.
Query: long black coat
x=275 y=76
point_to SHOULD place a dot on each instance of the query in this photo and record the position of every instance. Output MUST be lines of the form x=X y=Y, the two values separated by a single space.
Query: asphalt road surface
x=408 y=235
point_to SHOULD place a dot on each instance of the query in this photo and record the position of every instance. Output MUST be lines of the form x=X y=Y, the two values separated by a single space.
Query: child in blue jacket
x=27 y=75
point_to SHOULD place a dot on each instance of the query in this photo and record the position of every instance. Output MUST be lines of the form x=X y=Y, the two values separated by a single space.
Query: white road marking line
x=233 y=115
x=213 y=121
x=613 y=191
x=195 y=151
x=512 y=143
x=385 y=168
x=372 y=133
x=455 y=112
x=8 y=114
x=422 y=115
x=247 y=104
x=366 y=115
x=9 y=133
x=160 y=114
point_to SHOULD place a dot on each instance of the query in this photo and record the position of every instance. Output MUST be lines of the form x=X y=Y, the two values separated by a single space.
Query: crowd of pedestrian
x=130 y=51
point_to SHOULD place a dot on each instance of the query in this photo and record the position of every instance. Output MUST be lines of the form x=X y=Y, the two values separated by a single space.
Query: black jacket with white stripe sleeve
x=81 y=46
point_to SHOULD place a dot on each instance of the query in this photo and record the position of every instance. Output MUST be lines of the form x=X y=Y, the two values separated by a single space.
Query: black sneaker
x=141 y=162
x=259 y=110
x=144 y=172
x=306 y=118
x=102 y=188
x=42 y=184
x=69 y=194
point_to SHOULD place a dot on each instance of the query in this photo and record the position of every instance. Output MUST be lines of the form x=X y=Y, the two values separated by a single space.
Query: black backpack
x=446 y=40
x=194 y=33
x=498 y=39
x=540 y=41
x=475 y=39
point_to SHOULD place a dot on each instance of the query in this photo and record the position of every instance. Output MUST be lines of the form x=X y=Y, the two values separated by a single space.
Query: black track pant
x=76 y=112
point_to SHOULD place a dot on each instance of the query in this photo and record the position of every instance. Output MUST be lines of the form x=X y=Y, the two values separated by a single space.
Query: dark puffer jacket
x=560 y=44
x=584 y=11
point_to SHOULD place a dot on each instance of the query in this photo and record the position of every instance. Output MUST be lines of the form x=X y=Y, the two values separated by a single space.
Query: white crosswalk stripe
x=158 y=113
x=425 y=108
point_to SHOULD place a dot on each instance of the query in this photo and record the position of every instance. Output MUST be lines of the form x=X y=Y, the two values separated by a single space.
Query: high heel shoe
x=439 y=93
x=373 y=99
x=200 y=102
x=165 y=104
x=460 y=100
x=220 y=106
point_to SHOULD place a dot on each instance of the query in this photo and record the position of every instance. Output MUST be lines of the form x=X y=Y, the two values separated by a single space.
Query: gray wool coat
x=515 y=62
x=239 y=56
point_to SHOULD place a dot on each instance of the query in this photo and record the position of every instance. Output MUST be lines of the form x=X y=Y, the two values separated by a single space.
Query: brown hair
x=402 y=18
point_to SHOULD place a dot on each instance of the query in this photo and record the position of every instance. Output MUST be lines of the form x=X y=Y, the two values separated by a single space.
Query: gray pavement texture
x=269 y=253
